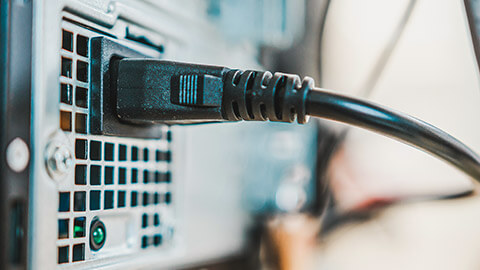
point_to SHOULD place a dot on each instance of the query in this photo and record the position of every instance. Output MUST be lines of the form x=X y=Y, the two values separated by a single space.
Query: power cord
x=158 y=91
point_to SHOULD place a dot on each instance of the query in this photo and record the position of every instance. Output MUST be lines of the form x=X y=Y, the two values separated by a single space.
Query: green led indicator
x=98 y=235
x=78 y=231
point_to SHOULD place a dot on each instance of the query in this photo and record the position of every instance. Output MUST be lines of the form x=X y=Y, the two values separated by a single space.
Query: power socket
x=105 y=55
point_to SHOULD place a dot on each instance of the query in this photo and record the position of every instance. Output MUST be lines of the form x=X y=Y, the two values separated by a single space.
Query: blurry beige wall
x=431 y=74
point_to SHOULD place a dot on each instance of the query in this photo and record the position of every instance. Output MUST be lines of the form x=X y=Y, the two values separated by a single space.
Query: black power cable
x=150 y=91
x=397 y=125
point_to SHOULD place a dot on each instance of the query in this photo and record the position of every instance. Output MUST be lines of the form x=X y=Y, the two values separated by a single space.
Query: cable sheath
x=396 y=125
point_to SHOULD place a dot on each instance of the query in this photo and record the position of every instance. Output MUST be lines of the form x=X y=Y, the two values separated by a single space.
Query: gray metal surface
x=215 y=169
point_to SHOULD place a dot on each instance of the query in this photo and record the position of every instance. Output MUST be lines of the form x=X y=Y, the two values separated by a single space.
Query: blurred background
x=414 y=56
x=392 y=207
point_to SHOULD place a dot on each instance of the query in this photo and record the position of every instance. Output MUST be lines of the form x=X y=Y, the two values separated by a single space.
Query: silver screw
x=18 y=155
x=59 y=160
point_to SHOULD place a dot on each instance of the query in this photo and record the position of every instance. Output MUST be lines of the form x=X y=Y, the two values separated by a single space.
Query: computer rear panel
x=123 y=182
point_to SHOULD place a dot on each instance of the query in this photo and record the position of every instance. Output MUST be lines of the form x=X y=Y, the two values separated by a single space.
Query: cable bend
x=393 y=124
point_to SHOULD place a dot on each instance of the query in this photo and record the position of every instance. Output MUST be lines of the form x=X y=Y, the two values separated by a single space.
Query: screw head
x=59 y=160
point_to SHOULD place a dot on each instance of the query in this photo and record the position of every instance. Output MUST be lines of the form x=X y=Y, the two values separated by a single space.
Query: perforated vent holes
x=111 y=174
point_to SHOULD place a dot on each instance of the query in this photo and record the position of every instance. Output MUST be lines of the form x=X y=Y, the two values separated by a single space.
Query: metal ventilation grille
x=113 y=176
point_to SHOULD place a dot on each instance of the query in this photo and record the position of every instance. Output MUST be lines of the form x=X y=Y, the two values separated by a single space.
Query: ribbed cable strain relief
x=261 y=96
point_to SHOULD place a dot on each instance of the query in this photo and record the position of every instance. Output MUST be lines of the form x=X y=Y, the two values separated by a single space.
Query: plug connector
x=150 y=91
x=105 y=53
